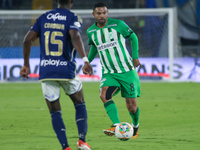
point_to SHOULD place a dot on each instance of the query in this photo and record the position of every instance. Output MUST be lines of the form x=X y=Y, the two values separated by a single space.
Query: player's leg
x=106 y=93
x=108 y=87
x=130 y=91
x=73 y=88
x=134 y=111
x=51 y=92
x=81 y=114
x=81 y=119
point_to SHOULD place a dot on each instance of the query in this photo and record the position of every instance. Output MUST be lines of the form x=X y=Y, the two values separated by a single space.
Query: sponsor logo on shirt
x=51 y=62
x=106 y=46
x=56 y=16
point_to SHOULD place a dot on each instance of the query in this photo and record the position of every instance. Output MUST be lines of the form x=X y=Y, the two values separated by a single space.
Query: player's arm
x=30 y=37
x=78 y=45
x=127 y=32
x=134 y=46
x=93 y=52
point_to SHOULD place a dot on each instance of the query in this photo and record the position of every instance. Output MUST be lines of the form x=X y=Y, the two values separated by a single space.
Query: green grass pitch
x=169 y=118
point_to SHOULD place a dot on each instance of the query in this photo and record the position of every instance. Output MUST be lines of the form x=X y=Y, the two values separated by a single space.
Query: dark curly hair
x=100 y=4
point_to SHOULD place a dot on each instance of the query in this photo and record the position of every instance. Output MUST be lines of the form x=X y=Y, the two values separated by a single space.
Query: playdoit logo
x=51 y=62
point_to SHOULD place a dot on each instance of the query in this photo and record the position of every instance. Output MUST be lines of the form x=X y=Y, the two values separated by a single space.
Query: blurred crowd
x=188 y=13
x=10 y=4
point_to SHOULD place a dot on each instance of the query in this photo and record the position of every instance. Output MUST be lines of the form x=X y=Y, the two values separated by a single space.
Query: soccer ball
x=124 y=131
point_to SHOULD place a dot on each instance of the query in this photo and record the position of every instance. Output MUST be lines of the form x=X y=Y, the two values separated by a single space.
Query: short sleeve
x=36 y=27
x=76 y=23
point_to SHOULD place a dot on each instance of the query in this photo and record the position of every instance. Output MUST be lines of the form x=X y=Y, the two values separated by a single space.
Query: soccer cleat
x=82 y=145
x=111 y=131
x=68 y=148
x=135 y=133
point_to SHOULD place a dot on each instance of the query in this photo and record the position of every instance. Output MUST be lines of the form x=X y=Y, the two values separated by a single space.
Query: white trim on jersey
x=105 y=70
x=104 y=53
x=126 y=51
x=93 y=39
x=111 y=50
x=72 y=54
x=119 y=50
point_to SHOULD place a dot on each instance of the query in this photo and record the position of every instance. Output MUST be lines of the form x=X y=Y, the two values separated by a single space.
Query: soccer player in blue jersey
x=59 y=33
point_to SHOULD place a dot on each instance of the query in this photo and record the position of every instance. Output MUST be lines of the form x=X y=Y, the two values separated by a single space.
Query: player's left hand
x=87 y=69
x=136 y=62
x=25 y=71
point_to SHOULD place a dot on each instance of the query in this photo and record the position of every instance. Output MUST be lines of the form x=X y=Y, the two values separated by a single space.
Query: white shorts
x=51 y=89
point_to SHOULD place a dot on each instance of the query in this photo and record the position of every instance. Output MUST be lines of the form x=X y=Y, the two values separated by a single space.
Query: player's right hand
x=87 y=69
x=25 y=71
x=136 y=62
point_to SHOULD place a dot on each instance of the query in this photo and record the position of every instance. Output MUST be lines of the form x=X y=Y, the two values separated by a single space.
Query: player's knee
x=108 y=94
x=103 y=97
x=110 y=91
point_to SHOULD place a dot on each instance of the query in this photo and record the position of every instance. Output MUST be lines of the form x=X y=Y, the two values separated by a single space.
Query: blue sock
x=81 y=120
x=59 y=128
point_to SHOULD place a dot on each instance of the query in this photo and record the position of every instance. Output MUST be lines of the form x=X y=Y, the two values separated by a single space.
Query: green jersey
x=109 y=43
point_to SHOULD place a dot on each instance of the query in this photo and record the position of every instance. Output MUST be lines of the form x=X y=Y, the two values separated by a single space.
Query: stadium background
x=187 y=47
x=169 y=116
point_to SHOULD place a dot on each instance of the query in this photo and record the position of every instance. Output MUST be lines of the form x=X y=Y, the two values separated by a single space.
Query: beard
x=102 y=21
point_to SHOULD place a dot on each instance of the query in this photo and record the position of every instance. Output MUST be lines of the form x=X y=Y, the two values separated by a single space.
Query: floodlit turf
x=169 y=118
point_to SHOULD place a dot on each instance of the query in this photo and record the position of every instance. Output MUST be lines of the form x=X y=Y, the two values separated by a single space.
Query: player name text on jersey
x=54 y=26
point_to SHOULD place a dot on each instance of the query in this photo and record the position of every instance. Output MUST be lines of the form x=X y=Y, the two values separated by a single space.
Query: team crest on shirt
x=111 y=35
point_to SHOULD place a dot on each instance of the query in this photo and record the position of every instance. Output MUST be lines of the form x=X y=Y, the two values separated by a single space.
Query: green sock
x=135 y=117
x=112 y=111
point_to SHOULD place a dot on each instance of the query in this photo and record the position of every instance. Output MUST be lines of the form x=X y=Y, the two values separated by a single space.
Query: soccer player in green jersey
x=107 y=38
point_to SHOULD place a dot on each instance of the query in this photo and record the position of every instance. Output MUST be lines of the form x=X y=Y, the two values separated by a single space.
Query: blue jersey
x=57 y=54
